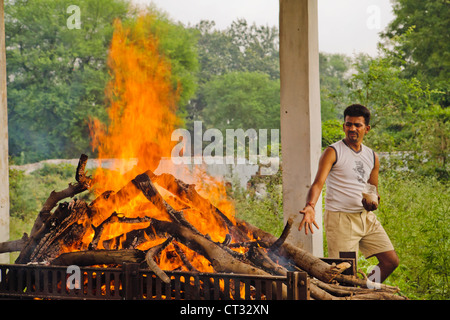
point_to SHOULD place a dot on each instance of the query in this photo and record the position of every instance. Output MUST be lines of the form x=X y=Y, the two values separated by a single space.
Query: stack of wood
x=68 y=222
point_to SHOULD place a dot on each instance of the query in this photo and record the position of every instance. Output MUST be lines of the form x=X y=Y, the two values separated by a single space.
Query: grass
x=415 y=213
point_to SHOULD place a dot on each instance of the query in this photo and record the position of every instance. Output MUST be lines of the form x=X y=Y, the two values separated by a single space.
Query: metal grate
x=132 y=283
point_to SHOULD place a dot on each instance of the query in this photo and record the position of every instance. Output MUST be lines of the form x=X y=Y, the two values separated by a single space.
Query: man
x=350 y=224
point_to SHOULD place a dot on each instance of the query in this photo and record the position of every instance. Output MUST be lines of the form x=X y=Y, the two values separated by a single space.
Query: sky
x=345 y=26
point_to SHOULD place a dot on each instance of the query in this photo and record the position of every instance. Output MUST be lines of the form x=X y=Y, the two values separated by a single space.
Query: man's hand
x=370 y=205
x=309 y=218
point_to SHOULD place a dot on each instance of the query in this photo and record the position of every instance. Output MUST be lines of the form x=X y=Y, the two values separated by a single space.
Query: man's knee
x=389 y=260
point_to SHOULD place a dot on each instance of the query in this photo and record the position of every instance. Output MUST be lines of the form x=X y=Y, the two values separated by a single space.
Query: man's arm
x=309 y=214
x=373 y=179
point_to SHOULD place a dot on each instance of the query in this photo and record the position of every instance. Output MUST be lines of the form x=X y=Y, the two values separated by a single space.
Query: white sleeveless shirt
x=347 y=178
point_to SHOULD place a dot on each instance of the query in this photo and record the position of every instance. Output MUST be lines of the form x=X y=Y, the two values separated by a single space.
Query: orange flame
x=142 y=116
x=142 y=101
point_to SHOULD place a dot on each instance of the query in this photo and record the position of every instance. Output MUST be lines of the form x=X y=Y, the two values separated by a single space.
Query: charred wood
x=99 y=257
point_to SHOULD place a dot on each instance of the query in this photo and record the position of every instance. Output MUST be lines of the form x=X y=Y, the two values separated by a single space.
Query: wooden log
x=183 y=258
x=256 y=233
x=45 y=218
x=307 y=262
x=83 y=182
x=113 y=219
x=103 y=206
x=220 y=259
x=303 y=259
x=99 y=257
x=14 y=245
x=364 y=283
x=49 y=230
x=149 y=256
x=314 y=266
x=187 y=193
x=284 y=235
x=143 y=183
x=260 y=258
x=63 y=229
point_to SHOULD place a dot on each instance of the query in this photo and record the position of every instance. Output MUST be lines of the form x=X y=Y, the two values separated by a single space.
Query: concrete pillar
x=4 y=171
x=300 y=114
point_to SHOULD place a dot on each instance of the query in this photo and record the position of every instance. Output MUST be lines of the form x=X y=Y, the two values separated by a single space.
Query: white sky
x=345 y=26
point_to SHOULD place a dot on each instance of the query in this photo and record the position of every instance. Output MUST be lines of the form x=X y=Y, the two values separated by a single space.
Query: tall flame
x=142 y=111
x=142 y=116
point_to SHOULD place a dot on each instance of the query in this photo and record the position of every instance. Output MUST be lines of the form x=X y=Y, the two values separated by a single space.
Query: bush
x=414 y=212
x=331 y=132
x=264 y=211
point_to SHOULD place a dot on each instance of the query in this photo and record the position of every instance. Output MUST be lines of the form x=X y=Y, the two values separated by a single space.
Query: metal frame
x=132 y=283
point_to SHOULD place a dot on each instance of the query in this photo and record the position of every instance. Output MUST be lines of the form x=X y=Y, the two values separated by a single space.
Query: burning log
x=152 y=264
x=79 y=228
x=188 y=193
x=99 y=257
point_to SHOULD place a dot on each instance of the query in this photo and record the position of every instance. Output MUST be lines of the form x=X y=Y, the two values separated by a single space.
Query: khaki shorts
x=353 y=231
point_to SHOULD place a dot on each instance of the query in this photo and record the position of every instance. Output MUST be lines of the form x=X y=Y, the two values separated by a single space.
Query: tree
x=333 y=70
x=242 y=100
x=418 y=37
x=56 y=75
x=239 y=48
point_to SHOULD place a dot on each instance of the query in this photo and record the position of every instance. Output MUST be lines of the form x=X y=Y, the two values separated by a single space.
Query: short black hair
x=358 y=110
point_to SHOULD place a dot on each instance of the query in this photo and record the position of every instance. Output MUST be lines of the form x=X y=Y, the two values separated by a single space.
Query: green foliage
x=415 y=214
x=29 y=192
x=242 y=100
x=331 y=132
x=406 y=116
x=261 y=204
x=333 y=70
x=418 y=41
x=56 y=75
x=241 y=48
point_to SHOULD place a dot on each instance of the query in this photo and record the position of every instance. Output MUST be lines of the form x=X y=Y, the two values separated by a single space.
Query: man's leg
x=340 y=236
x=387 y=262
x=376 y=243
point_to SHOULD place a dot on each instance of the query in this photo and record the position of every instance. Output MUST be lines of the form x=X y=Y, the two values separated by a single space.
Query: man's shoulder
x=337 y=146
x=337 y=143
x=368 y=148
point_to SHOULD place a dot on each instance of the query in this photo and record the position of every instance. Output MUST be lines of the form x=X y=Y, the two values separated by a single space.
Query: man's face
x=355 y=129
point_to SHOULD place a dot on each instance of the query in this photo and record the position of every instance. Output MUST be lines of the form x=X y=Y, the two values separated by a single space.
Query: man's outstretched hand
x=309 y=218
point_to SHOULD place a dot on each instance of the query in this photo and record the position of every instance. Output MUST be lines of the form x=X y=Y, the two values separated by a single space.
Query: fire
x=142 y=105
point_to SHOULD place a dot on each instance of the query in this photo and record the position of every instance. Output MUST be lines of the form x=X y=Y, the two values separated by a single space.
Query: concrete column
x=4 y=172
x=300 y=114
